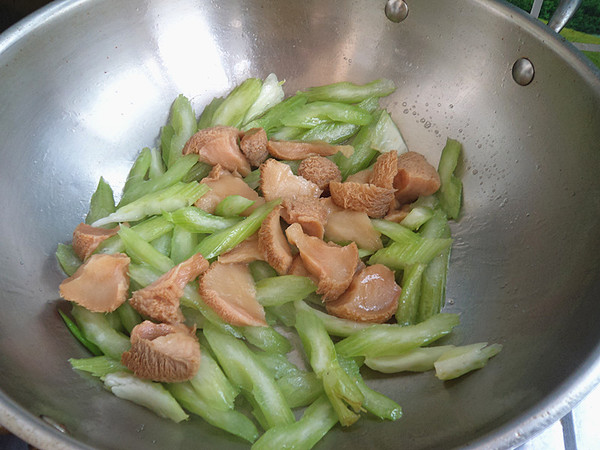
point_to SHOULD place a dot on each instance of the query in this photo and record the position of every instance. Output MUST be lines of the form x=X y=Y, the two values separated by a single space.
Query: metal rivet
x=396 y=10
x=523 y=71
x=53 y=423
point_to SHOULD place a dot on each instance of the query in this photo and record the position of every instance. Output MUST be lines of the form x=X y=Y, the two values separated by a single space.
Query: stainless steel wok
x=84 y=85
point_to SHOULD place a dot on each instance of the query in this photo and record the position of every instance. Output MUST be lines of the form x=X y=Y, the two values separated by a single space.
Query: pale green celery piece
x=271 y=93
x=140 y=250
x=78 y=334
x=317 y=420
x=148 y=230
x=233 y=205
x=416 y=360
x=261 y=270
x=396 y=231
x=363 y=252
x=417 y=217
x=166 y=200
x=183 y=122
x=387 y=136
x=363 y=153
x=67 y=259
x=330 y=132
x=370 y=104
x=102 y=203
x=278 y=364
x=389 y=340
x=129 y=316
x=283 y=289
x=271 y=120
x=287 y=133
x=450 y=192
x=182 y=244
x=157 y=167
x=349 y=92
x=301 y=389
x=437 y=226
x=198 y=172
x=335 y=326
x=460 y=360
x=96 y=328
x=293 y=164
x=228 y=420
x=243 y=368
x=341 y=390
x=285 y=313
x=115 y=321
x=315 y=113
x=211 y=384
x=145 y=393
x=138 y=170
x=206 y=118
x=224 y=240
x=163 y=243
x=409 y=301
x=232 y=110
x=267 y=339
x=166 y=135
x=253 y=179
x=193 y=317
x=174 y=174
x=426 y=201
x=197 y=220
x=99 y=366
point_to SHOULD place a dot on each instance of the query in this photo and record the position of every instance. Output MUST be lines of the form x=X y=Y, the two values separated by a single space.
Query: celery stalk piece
x=228 y=420
x=267 y=339
x=115 y=321
x=417 y=217
x=183 y=124
x=409 y=301
x=334 y=325
x=301 y=389
x=76 y=332
x=388 y=340
x=363 y=153
x=271 y=93
x=317 y=420
x=206 y=118
x=277 y=364
x=157 y=168
x=386 y=136
x=349 y=92
x=244 y=369
x=99 y=366
x=233 y=205
x=416 y=360
x=287 y=133
x=286 y=313
x=271 y=120
x=182 y=244
x=232 y=110
x=460 y=360
x=174 y=174
x=138 y=170
x=211 y=384
x=140 y=250
x=166 y=136
x=148 y=230
x=145 y=393
x=95 y=327
x=102 y=203
x=283 y=289
x=196 y=220
x=199 y=171
x=341 y=390
x=129 y=317
x=224 y=240
x=375 y=402
x=312 y=114
x=398 y=256
x=68 y=260
x=163 y=244
x=253 y=179
x=330 y=132
x=165 y=200
x=450 y=192
x=261 y=270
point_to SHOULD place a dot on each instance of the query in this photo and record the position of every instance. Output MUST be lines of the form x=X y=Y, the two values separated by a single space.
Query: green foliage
x=587 y=18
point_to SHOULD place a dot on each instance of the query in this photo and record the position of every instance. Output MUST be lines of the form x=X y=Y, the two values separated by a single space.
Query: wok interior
x=90 y=84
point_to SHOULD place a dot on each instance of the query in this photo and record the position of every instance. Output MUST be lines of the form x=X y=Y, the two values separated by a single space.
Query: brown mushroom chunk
x=245 y=252
x=278 y=181
x=87 y=238
x=163 y=352
x=219 y=145
x=160 y=300
x=309 y=212
x=229 y=290
x=320 y=171
x=384 y=170
x=273 y=244
x=373 y=200
x=347 y=225
x=415 y=177
x=100 y=284
x=364 y=176
x=254 y=146
x=223 y=183
x=372 y=296
x=291 y=150
x=398 y=214
x=297 y=268
x=333 y=265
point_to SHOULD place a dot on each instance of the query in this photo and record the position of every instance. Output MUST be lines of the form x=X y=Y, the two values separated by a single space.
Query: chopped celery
x=387 y=340
x=138 y=170
x=232 y=110
x=278 y=364
x=409 y=301
x=129 y=317
x=363 y=153
x=157 y=167
x=196 y=220
x=416 y=360
x=450 y=192
x=312 y=114
x=163 y=243
x=102 y=203
x=285 y=313
x=460 y=360
x=182 y=244
x=183 y=126
x=417 y=217
x=334 y=325
x=271 y=93
x=233 y=205
x=349 y=92
x=76 y=332
x=99 y=366
x=271 y=120
x=330 y=132
x=211 y=384
x=165 y=200
x=67 y=259
x=145 y=393
x=300 y=389
x=140 y=250
x=148 y=230
x=267 y=339
x=199 y=171
x=95 y=327
x=287 y=133
x=206 y=118
x=261 y=270
x=386 y=136
x=286 y=288
x=253 y=179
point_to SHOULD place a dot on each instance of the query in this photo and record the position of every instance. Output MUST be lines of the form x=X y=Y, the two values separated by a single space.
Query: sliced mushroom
x=254 y=146
x=273 y=244
x=364 y=176
x=309 y=212
x=333 y=265
x=297 y=268
x=100 y=284
x=245 y=252
x=373 y=200
x=160 y=300
x=163 y=352
x=87 y=238
x=398 y=214
x=372 y=296
x=347 y=226
x=415 y=177
x=384 y=170
x=219 y=145
x=320 y=171
x=301 y=150
x=278 y=181
x=229 y=290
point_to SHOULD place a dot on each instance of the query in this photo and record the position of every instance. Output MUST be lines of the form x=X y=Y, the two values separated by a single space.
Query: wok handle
x=564 y=12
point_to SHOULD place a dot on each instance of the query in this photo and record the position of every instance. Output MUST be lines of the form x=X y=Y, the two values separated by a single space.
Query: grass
x=584 y=38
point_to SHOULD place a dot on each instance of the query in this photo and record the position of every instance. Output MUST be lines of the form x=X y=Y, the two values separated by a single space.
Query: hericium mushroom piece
x=291 y=150
x=163 y=352
x=415 y=178
x=278 y=181
x=160 y=300
x=254 y=146
x=372 y=199
x=273 y=244
x=87 y=238
x=320 y=171
x=100 y=284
